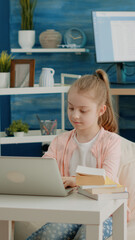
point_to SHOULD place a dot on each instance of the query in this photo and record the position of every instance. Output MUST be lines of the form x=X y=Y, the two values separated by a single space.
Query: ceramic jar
x=50 y=39
x=46 y=77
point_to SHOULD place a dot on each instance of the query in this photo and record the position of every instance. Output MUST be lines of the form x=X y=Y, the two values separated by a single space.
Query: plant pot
x=18 y=134
x=8 y=133
x=26 y=38
x=4 y=79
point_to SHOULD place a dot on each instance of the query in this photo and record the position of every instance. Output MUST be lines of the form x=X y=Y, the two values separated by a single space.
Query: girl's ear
x=102 y=110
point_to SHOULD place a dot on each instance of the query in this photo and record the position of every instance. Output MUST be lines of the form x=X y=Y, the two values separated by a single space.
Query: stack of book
x=93 y=183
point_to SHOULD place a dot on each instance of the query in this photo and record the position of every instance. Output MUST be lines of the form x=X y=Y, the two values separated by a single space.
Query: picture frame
x=63 y=76
x=22 y=73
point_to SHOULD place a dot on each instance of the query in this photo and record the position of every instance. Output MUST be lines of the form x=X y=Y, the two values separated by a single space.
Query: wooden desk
x=122 y=91
x=116 y=92
x=72 y=209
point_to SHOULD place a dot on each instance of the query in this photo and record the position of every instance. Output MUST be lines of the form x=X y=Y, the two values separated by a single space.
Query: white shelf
x=50 y=50
x=58 y=88
x=34 y=90
x=33 y=136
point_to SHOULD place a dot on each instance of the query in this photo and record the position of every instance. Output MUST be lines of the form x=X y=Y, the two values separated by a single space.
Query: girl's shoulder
x=107 y=141
x=108 y=136
x=65 y=135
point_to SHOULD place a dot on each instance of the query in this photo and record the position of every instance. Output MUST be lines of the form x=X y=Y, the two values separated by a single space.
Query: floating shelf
x=50 y=50
x=58 y=88
x=32 y=136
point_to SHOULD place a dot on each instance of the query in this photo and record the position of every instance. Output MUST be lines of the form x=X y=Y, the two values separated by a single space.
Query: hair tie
x=98 y=75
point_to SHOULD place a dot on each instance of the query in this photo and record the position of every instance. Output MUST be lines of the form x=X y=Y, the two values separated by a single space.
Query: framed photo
x=22 y=73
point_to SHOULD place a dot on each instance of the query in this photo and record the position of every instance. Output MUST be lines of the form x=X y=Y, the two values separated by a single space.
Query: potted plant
x=5 y=63
x=17 y=128
x=27 y=35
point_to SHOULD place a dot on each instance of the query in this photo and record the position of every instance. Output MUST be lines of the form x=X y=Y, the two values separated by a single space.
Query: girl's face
x=83 y=111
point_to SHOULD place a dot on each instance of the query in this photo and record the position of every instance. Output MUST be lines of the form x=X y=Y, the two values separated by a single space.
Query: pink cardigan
x=106 y=149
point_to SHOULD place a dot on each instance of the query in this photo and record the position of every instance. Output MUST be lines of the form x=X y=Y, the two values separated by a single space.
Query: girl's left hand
x=69 y=181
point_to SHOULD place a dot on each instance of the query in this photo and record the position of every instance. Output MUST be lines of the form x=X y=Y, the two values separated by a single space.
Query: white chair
x=127 y=178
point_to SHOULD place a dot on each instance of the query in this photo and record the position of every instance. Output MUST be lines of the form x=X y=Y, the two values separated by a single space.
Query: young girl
x=93 y=142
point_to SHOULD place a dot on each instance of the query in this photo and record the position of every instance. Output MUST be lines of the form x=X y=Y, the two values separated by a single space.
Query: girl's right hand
x=69 y=181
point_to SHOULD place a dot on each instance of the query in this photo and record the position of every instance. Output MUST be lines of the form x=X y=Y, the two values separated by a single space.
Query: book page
x=90 y=171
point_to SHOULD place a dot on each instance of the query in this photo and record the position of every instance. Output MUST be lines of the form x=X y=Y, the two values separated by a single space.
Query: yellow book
x=109 y=181
x=89 y=180
x=92 y=176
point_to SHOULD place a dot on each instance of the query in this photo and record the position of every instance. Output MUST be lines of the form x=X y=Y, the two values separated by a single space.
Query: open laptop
x=31 y=176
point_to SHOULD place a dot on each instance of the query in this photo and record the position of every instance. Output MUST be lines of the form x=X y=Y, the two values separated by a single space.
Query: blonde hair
x=99 y=84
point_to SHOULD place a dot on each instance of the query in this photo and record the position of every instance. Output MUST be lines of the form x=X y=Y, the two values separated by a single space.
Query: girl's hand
x=69 y=181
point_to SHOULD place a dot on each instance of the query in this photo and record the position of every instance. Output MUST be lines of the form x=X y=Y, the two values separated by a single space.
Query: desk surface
x=122 y=89
x=30 y=208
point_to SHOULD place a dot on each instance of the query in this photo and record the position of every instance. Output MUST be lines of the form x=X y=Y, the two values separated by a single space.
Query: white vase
x=4 y=79
x=26 y=38
x=46 y=77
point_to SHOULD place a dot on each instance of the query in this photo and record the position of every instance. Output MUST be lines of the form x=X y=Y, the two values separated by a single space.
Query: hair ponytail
x=108 y=119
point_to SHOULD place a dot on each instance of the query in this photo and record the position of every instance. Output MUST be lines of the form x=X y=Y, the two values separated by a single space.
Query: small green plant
x=27 y=11
x=5 y=61
x=17 y=126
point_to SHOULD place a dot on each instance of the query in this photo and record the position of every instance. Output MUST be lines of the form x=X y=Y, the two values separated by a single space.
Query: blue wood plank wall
x=4 y=45
x=62 y=15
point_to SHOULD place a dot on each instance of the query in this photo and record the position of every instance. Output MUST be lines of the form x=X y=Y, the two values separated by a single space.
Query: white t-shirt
x=82 y=156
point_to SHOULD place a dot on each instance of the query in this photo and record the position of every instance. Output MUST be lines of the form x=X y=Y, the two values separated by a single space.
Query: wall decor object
x=22 y=73
x=26 y=36
x=75 y=37
x=50 y=39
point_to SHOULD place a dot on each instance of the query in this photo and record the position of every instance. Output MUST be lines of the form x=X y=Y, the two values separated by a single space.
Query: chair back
x=126 y=172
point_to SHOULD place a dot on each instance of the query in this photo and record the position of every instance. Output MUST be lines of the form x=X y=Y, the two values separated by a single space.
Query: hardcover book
x=98 y=189
x=92 y=176
x=103 y=196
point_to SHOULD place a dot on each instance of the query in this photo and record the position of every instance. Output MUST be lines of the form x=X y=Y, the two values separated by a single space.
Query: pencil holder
x=48 y=127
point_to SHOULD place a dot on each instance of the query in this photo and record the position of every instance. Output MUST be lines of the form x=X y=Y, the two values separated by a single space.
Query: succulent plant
x=17 y=126
x=27 y=11
x=5 y=61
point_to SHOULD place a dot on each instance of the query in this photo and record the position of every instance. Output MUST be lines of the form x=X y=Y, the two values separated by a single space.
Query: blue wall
x=4 y=25
x=4 y=45
x=61 y=15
